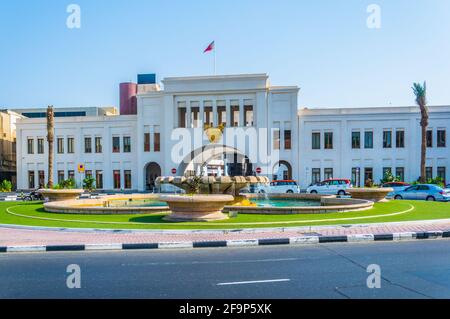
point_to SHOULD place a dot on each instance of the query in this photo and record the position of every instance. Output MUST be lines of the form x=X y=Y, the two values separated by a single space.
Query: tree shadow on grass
x=149 y=219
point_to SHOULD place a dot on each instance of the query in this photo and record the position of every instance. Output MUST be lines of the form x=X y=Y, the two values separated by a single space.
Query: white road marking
x=252 y=282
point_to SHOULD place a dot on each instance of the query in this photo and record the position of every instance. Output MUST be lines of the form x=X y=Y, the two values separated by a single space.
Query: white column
x=201 y=116
x=241 y=113
x=188 y=114
x=215 y=113
x=228 y=113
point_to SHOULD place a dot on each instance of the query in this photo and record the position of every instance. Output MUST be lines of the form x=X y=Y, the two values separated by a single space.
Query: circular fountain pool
x=275 y=204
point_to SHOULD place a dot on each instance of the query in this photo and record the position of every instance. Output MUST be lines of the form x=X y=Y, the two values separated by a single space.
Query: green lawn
x=382 y=212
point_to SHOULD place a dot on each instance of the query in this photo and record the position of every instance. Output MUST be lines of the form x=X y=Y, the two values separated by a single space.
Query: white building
x=127 y=152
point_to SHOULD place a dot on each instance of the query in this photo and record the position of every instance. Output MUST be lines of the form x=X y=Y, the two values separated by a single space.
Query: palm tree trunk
x=50 y=139
x=423 y=154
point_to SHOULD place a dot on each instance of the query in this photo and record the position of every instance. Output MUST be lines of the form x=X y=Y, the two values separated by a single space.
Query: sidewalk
x=27 y=237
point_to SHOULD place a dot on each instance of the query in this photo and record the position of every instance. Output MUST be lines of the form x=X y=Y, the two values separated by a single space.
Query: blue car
x=427 y=192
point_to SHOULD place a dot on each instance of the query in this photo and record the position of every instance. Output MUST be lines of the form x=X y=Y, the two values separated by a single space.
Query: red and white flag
x=210 y=47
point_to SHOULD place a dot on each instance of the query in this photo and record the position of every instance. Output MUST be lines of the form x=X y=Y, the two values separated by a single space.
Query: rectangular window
x=356 y=140
x=70 y=145
x=235 y=115
x=40 y=145
x=182 y=117
x=60 y=145
x=157 y=142
x=328 y=140
x=287 y=139
x=195 y=115
x=442 y=174
x=127 y=179
x=222 y=114
x=88 y=173
x=71 y=174
x=127 y=144
x=87 y=145
x=368 y=175
x=400 y=139
x=368 y=139
x=99 y=179
x=248 y=115
x=276 y=139
x=428 y=173
x=441 y=138
x=328 y=173
x=41 y=179
x=387 y=139
x=31 y=184
x=429 y=138
x=146 y=142
x=400 y=173
x=30 y=146
x=98 y=145
x=316 y=141
x=116 y=179
x=315 y=176
x=356 y=176
x=208 y=115
x=61 y=177
x=116 y=144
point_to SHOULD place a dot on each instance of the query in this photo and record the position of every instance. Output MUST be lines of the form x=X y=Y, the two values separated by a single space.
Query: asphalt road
x=418 y=269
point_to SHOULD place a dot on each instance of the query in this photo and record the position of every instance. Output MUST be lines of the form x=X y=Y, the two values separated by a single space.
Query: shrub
x=389 y=178
x=66 y=184
x=89 y=183
x=436 y=181
x=6 y=186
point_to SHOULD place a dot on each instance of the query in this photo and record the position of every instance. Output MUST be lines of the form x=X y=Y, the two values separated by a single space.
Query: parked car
x=397 y=186
x=337 y=186
x=279 y=187
x=427 y=192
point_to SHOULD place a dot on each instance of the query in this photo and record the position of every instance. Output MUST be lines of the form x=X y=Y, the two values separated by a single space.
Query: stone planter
x=372 y=194
x=196 y=208
x=57 y=195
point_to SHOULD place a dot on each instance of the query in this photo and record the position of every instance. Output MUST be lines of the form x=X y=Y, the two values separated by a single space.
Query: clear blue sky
x=323 y=46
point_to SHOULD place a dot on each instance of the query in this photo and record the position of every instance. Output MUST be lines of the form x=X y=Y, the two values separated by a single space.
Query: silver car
x=427 y=192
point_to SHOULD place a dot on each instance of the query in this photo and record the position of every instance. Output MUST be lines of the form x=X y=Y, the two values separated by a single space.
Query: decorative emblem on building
x=214 y=133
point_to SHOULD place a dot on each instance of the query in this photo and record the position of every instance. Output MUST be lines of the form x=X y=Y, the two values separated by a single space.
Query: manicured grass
x=421 y=211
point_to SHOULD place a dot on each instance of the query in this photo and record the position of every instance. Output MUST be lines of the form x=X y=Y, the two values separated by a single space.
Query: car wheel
x=313 y=192
x=341 y=193
x=431 y=199
x=290 y=192
x=398 y=197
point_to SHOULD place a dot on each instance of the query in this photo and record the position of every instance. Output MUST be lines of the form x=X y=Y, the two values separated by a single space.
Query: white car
x=280 y=187
x=330 y=187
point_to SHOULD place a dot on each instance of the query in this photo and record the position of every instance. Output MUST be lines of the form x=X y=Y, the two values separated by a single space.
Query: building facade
x=175 y=131
x=8 y=121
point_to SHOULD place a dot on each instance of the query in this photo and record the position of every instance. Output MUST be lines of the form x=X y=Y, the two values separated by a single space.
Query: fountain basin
x=214 y=185
x=373 y=194
x=57 y=195
x=196 y=208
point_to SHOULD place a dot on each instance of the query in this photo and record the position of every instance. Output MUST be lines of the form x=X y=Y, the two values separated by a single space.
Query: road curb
x=305 y=240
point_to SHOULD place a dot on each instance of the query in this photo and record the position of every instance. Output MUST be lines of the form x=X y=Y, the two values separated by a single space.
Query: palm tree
x=420 y=91
x=50 y=139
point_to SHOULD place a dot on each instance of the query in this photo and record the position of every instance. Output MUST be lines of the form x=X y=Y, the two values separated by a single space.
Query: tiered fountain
x=206 y=196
